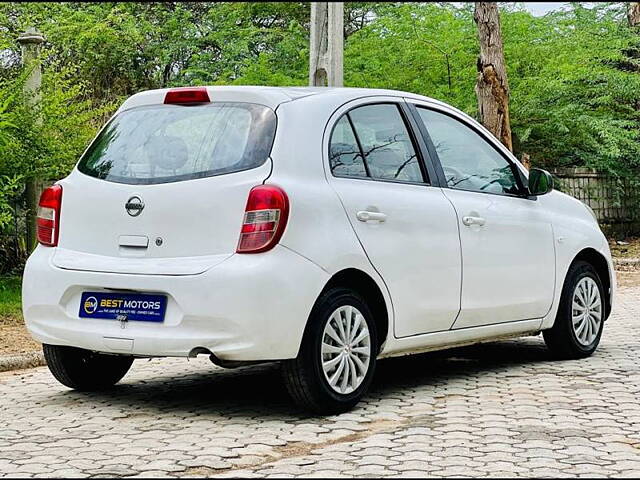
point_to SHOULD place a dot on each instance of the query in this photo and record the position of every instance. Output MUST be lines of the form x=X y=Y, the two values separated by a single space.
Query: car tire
x=85 y=370
x=331 y=375
x=580 y=319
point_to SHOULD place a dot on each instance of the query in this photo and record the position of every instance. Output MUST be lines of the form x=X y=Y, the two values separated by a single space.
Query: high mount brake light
x=187 y=95
x=48 y=219
x=265 y=219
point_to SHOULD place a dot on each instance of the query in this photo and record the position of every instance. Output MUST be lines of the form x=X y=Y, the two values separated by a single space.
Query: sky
x=540 y=8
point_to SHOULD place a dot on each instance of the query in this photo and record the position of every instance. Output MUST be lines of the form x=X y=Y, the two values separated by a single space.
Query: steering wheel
x=487 y=185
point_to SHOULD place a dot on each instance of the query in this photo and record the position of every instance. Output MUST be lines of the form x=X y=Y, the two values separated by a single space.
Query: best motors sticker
x=107 y=305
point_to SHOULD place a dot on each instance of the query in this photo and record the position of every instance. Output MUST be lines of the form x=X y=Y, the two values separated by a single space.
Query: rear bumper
x=249 y=307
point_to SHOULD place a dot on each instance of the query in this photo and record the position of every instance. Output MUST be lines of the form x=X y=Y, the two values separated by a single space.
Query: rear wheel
x=83 y=369
x=578 y=327
x=337 y=357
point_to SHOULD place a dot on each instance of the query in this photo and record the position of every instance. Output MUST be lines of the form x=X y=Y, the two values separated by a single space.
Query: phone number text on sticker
x=140 y=307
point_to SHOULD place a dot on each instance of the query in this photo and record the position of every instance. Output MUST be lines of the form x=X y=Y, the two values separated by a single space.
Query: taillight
x=265 y=218
x=48 y=220
x=187 y=95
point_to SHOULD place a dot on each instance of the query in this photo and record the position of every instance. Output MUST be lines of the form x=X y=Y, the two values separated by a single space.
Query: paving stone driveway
x=500 y=409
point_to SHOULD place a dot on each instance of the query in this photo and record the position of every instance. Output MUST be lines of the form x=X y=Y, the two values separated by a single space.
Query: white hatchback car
x=326 y=228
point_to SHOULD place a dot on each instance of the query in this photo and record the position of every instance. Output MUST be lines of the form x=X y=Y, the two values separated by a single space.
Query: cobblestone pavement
x=499 y=409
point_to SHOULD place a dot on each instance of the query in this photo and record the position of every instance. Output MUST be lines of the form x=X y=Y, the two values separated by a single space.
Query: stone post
x=326 y=44
x=30 y=42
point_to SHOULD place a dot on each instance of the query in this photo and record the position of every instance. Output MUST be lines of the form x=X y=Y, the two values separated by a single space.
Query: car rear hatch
x=163 y=187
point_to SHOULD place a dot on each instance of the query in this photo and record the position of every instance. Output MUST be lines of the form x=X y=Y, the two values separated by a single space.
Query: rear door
x=165 y=182
x=507 y=238
x=407 y=227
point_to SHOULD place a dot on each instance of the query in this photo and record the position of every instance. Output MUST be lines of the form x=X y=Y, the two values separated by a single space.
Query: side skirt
x=458 y=338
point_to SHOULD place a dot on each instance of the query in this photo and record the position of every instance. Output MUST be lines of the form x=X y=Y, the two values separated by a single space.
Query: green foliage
x=574 y=76
x=429 y=49
x=42 y=140
x=574 y=100
x=8 y=183
x=10 y=298
x=121 y=48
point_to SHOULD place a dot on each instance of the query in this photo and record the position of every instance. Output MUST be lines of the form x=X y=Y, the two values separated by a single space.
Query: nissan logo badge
x=134 y=206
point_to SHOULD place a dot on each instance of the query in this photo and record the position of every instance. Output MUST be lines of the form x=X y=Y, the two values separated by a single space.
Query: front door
x=506 y=238
x=407 y=227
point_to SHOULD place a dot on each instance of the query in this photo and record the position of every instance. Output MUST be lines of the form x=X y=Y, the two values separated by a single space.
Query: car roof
x=272 y=96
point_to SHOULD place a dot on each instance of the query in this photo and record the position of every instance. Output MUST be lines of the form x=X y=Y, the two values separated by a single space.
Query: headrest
x=166 y=152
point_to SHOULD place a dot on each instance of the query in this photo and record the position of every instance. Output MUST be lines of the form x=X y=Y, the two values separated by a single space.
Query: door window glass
x=469 y=162
x=345 y=158
x=373 y=142
x=386 y=144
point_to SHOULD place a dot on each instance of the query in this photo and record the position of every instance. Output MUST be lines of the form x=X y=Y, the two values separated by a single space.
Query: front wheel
x=83 y=369
x=337 y=357
x=578 y=327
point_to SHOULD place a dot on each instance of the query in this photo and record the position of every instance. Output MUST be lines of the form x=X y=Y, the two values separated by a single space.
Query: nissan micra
x=325 y=228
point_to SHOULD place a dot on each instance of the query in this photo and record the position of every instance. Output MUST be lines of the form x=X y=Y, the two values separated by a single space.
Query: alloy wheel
x=586 y=311
x=346 y=349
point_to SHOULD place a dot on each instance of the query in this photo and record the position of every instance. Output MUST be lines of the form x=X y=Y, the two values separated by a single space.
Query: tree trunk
x=492 y=88
x=633 y=14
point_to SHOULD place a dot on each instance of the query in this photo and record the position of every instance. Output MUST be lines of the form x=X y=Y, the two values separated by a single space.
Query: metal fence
x=13 y=241
x=614 y=200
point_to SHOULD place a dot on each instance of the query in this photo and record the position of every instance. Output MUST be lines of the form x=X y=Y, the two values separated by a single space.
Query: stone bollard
x=30 y=42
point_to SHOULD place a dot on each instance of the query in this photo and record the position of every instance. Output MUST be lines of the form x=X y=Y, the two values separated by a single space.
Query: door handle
x=365 y=216
x=469 y=220
x=133 y=241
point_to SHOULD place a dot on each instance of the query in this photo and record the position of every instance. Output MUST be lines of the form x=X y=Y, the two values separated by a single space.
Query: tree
x=492 y=88
x=633 y=14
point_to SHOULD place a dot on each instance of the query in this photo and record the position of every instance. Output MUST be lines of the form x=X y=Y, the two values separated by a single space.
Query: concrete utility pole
x=30 y=42
x=326 y=48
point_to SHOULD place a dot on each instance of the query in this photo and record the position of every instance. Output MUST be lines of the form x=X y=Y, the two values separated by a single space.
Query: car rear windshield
x=170 y=143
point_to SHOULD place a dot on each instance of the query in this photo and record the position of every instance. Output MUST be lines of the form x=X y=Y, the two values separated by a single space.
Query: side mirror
x=540 y=181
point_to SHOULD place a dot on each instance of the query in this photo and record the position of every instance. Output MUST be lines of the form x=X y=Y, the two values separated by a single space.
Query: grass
x=14 y=338
x=10 y=301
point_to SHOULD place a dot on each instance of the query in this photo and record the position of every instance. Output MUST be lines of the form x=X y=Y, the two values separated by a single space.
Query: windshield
x=169 y=143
